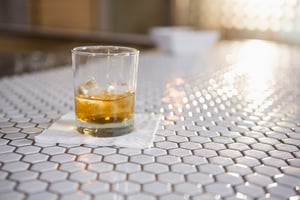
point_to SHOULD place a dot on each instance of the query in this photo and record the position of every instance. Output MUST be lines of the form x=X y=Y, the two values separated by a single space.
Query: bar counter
x=230 y=130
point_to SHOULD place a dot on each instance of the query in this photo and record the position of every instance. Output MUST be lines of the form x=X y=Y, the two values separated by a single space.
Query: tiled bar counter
x=230 y=130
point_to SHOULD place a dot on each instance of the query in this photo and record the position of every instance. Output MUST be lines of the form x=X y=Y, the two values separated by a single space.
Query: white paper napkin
x=64 y=131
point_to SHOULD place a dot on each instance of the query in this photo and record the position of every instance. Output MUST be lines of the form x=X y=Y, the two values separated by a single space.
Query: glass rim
x=88 y=50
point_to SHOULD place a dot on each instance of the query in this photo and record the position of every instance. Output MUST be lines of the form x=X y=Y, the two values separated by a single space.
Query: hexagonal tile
x=240 y=129
x=12 y=195
x=250 y=190
x=76 y=196
x=180 y=152
x=28 y=150
x=10 y=157
x=89 y=158
x=209 y=134
x=290 y=170
x=156 y=168
x=258 y=179
x=32 y=130
x=72 y=166
x=206 y=153
x=286 y=124
x=53 y=176
x=268 y=140
x=171 y=177
x=62 y=158
x=221 y=160
x=142 y=159
x=83 y=176
x=155 y=151
x=294 y=162
x=100 y=167
x=126 y=187
x=53 y=150
x=230 y=153
x=211 y=169
x=142 y=177
x=289 y=181
x=6 y=185
x=230 y=178
x=262 y=147
x=214 y=146
x=248 y=161
x=195 y=160
x=254 y=134
x=286 y=147
x=282 y=191
x=223 y=140
x=200 y=178
x=44 y=166
x=128 y=167
x=6 y=149
x=294 y=135
x=6 y=124
x=79 y=150
x=24 y=176
x=291 y=141
x=190 y=145
x=275 y=162
x=267 y=170
x=166 y=145
x=220 y=189
x=112 y=176
x=276 y=135
x=246 y=140
x=255 y=154
x=200 y=139
x=183 y=168
x=12 y=133
x=176 y=138
x=15 y=166
x=168 y=159
x=64 y=187
x=115 y=159
x=281 y=129
x=239 y=169
x=95 y=187
x=105 y=151
x=157 y=188
x=43 y=195
x=21 y=142
x=230 y=134
x=113 y=196
x=35 y=158
x=205 y=196
x=188 y=189
x=3 y=141
x=32 y=186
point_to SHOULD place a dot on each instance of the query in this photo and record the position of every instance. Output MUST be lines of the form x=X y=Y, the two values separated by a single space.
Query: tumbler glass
x=105 y=79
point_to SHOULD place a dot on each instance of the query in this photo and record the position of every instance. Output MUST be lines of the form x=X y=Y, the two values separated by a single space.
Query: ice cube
x=122 y=87
x=111 y=89
x=117 y=88
x=89 y=88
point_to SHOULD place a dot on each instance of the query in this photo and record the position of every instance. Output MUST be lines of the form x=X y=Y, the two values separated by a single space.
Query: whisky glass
x=105 y=79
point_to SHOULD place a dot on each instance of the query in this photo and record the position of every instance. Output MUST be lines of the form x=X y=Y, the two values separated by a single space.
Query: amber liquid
x=105 y=108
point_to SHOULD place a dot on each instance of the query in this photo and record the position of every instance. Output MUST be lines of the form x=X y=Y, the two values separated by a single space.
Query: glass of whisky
x=105 y=80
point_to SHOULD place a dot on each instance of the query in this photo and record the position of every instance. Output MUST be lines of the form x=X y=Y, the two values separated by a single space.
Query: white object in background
x=183 y=40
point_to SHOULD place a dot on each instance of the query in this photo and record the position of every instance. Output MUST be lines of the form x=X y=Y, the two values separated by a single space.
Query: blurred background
x=38 y=34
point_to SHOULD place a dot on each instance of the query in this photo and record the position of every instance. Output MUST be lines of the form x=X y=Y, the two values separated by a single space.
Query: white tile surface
x=215 y=141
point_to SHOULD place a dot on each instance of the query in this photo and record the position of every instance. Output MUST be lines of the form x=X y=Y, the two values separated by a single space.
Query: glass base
x=106 y=130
